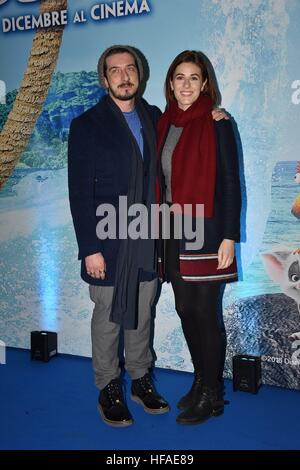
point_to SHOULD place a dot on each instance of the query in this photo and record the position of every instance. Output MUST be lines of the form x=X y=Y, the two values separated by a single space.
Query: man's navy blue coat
x=100 y=149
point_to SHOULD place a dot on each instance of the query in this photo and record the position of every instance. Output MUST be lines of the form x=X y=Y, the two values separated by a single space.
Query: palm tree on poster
x=32 y=92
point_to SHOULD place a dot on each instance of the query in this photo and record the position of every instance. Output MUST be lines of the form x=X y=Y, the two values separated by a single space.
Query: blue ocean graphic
x=282 y=230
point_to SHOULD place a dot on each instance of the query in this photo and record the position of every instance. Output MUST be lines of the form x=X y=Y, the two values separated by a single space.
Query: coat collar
x=108 y=109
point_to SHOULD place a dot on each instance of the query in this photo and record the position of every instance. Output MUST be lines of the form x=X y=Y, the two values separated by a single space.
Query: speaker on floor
x=246 y=371
x=43 y=345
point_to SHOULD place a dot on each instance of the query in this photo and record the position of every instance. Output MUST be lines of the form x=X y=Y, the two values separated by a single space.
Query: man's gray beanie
x=118 y=49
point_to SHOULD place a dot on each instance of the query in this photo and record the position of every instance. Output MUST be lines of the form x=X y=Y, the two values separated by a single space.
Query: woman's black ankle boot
x=188 y=400
x=206 y=404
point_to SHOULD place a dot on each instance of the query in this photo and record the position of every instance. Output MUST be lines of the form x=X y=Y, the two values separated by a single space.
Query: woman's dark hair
x=207 y=72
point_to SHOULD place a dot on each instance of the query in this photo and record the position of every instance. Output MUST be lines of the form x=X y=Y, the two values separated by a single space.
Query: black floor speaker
x=246 y=371
x=43 y=345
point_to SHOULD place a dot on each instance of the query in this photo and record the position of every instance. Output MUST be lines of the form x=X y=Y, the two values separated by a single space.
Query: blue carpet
x=53 y=406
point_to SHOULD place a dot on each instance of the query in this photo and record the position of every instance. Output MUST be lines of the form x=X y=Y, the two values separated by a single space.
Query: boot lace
x=114 y=392
x=146 y=384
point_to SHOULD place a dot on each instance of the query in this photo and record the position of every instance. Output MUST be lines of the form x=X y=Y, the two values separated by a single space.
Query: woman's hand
x=218 y=114
x=225 y=254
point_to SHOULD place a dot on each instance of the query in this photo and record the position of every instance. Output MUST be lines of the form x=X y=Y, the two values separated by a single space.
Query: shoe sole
x=213 y=415
x=150 y=410
x=182 y=408
x=115 y=424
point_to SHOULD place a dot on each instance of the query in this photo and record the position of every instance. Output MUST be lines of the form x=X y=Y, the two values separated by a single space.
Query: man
x=112 y=150
x=112 y=153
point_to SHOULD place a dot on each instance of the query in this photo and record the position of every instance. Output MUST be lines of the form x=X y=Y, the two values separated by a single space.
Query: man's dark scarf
x=134 y=255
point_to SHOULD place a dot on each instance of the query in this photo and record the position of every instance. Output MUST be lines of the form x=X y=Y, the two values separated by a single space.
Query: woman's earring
x=203 y=86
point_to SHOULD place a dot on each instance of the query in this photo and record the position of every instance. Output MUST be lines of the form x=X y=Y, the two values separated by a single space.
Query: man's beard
x=123 y=97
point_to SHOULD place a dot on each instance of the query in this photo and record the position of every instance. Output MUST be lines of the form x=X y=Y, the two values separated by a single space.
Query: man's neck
x=125 y=106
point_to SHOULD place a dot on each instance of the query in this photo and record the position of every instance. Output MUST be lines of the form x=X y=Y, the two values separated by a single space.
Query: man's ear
x=106 y=83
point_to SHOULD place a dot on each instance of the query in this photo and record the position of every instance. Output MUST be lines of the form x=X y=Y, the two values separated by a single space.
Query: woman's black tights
x=197 y=305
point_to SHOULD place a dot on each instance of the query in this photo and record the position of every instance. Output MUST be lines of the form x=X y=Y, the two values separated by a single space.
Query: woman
x=198 y=164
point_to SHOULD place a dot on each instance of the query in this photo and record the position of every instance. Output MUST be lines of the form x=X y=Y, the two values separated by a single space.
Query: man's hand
x=218 y=114
x=225 y=254
x=95 y=266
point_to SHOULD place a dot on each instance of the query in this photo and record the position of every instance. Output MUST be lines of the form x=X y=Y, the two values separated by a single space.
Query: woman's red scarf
x=194 y=157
